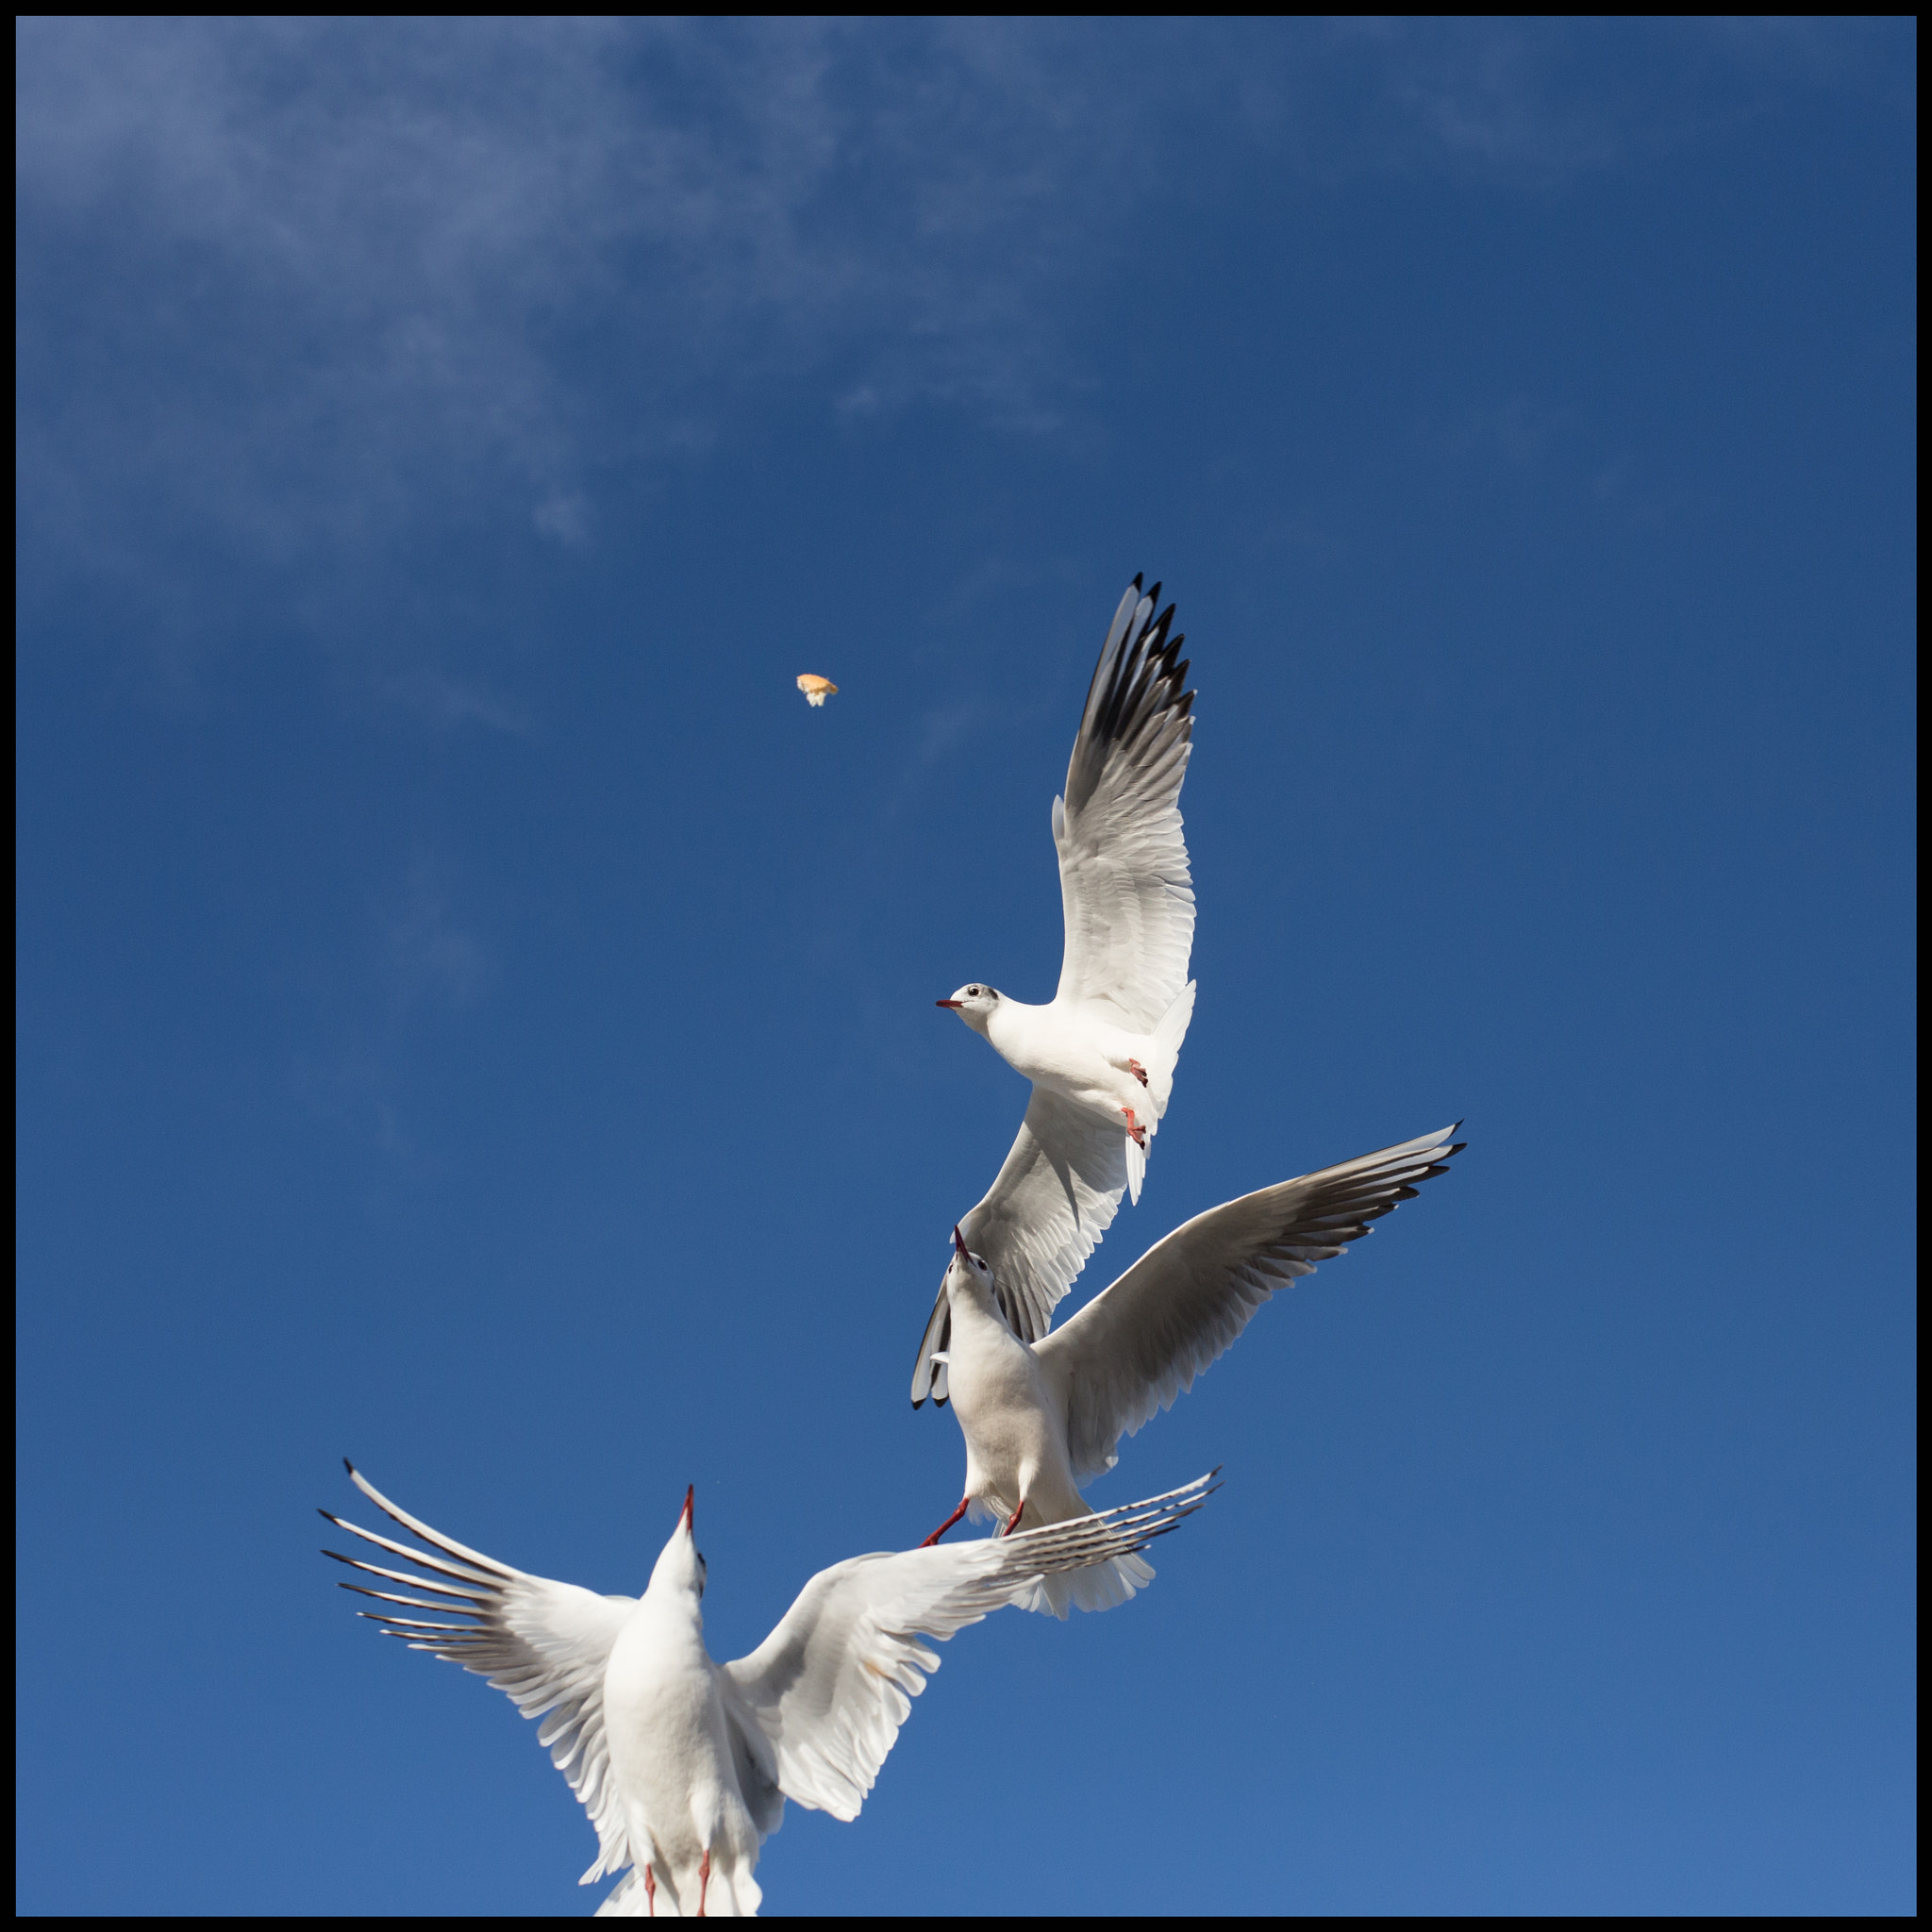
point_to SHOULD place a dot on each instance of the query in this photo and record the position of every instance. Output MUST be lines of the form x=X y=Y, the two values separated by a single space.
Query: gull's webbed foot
x=1136 y=1132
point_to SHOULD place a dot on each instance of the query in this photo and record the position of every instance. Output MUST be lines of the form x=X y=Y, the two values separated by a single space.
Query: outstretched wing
x=1124 y=885
x=545 y=1644
x=1139 y=1344
x=827 y=1691
x=1055 y=1196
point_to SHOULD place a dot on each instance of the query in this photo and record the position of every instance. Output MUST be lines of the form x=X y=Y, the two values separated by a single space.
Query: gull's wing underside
x=1055 y=1196
x=1124 y=885
x=822 y=1699
x=543 y=1643
x=1139 y=1343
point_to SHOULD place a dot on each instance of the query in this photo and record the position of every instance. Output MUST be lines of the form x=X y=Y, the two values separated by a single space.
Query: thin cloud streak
x=295 y=287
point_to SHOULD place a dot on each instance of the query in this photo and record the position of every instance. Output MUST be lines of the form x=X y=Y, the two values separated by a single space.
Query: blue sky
x=475 y=1018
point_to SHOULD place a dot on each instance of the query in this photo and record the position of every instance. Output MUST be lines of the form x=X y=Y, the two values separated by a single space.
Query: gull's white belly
x=1016 y=1446
x=1070 y=1054
x=671 y=1757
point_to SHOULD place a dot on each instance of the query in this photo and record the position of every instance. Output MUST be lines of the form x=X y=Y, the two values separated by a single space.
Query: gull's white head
x=679 y=1567
x=974 y=1004
x=967 y=1270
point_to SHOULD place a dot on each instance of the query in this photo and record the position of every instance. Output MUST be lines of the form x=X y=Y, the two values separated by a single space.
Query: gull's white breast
x=671 y=1751
x=1059 y=1047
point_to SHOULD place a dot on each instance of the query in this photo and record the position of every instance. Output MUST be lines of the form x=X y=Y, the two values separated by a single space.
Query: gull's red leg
x=651 y=1891
x=1135 y=1128
x=704 y=1880
x=1139 y=1071
x=947 y=1523
x=1013 y=1521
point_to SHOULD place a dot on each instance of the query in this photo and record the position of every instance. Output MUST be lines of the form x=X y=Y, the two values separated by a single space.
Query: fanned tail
x=1100 y=1586
x=1167 y=1037
x=1111 y=1581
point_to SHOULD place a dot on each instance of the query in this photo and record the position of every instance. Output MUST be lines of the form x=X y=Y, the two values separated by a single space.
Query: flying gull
x=684 y=1765
x=1101 y=1053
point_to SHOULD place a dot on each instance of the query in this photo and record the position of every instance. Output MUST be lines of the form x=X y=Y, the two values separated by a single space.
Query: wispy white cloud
x=292 y=284
x=322 y=272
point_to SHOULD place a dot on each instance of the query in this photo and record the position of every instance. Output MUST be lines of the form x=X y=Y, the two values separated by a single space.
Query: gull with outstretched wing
x=1101 y=1053
x=1041 y=1418
x=684 y=1765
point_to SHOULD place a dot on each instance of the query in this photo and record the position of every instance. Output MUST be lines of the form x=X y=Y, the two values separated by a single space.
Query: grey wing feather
x=928 y=1375
x=1125 y=888
x=1054 y=1197
x=1139 y=1344
x=545 y=1644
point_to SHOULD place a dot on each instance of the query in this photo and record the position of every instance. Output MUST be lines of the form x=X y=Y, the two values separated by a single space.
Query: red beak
x=959 y=1244
x=685 y=1522
x=955 y=1005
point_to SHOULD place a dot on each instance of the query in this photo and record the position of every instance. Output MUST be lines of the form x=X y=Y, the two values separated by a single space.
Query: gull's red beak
x=685 y=1522
x=959 y=1244
x=955 y=1005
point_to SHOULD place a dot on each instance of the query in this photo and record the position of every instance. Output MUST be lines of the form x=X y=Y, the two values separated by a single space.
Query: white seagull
x=1043 y=1418
x=684 y=1765
x=1101 y=1053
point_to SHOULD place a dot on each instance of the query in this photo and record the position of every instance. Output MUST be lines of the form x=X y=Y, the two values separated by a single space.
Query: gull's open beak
x=955 y=1005
x=685 y=1522
x=959 y=1244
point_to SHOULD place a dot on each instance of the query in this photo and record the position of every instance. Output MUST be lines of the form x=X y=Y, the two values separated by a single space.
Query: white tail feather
x=1167 y=1037
x=1100 y=1586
